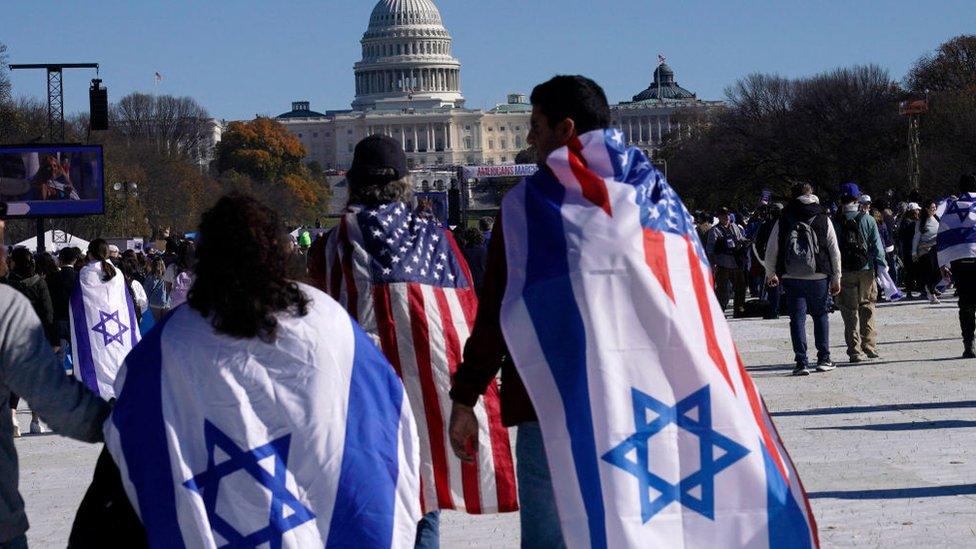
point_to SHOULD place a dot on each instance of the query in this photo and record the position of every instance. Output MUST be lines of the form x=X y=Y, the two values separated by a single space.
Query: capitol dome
x=407 y=59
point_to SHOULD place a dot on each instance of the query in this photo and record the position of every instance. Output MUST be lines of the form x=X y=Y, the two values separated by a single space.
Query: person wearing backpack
x=861 y=253
x=726 y=248
x=803 y=256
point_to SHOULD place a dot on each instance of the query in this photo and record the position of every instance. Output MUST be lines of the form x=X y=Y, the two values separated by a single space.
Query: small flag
x=158 y=78
x=661 y=59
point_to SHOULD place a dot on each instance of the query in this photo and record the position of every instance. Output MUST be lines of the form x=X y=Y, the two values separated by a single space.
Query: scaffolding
x=913 y=110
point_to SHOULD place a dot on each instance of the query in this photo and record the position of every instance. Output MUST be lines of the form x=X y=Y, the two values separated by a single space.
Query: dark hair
x=472 y=237
x=98 y=250
x=23 y=263
x=68 y=256
x=847 y=199
x=967 y=183
x=186 y=255
x=242 y=293
x=46 y=265
x=801 y=189
x=924 y=215
x=575 y=97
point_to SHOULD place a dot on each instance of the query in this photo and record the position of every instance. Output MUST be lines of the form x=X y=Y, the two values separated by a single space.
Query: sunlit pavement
x=886 y=449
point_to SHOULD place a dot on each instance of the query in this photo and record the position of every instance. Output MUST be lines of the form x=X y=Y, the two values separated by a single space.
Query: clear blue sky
x=239 y=58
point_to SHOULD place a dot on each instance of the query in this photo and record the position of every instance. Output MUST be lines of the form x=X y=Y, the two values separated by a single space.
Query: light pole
x=127 y=189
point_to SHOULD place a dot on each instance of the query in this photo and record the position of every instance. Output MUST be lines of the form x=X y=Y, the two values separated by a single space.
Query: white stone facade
x=408 y=86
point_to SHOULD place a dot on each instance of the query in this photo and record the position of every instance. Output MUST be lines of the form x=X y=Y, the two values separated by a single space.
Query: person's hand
x=772 y=281
x=834 y=288
x=464 y=432
x=946 y=271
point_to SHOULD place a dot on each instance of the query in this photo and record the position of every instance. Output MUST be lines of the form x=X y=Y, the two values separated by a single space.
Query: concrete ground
x=887 y=449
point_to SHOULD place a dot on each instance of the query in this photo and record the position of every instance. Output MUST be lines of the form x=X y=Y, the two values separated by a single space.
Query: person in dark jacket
x=772 y=293
x=475 y=251
x=906 y=236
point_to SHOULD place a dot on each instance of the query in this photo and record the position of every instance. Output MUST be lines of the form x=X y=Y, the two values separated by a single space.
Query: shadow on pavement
x=878 y=408
x=898 y=493
x=910 y=426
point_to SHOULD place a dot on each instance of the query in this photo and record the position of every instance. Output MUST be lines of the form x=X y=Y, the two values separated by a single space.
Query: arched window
x=425 y=186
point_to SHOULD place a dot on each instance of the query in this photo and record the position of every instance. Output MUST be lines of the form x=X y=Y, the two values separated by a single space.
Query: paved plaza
x=887 y=449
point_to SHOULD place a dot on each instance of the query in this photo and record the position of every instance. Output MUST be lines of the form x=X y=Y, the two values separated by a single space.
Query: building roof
x=299 y=109
x=390 y=13
x=664 y=88
x=516 y=103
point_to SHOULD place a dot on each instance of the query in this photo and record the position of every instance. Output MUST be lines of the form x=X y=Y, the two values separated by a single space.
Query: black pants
x=964 y=276
x=105 y=518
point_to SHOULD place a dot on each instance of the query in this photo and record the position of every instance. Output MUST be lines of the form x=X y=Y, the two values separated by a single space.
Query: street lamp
x=126 y=187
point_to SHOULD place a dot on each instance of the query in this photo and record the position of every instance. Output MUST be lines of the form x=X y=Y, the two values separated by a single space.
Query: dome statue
x=407 y=59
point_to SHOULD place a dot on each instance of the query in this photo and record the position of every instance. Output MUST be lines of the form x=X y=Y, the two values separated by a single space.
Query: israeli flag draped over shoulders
x=306 y=442
x=654 y=432
x=957 y=229
x=104 y=328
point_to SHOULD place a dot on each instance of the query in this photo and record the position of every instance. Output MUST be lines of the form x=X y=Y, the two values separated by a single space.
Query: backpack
x=853 y=247
x=802 y=247
x=181 y=289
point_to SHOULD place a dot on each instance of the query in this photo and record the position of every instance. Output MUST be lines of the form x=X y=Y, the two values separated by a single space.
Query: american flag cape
x=957 y=229
x=654 y=432
x=305 y=442
x=402 y=276
x=104 y=328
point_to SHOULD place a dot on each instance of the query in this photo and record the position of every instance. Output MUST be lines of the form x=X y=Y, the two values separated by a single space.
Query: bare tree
x=176 y=126
x=952 y=67
x=5 y=85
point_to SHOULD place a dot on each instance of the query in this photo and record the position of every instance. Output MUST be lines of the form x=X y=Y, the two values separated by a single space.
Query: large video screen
x=52 y=180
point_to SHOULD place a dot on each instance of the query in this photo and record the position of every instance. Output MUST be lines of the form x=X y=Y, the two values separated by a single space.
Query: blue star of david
x=207 y=484
x=102 y=328
x=708 y=438
x=962 y=211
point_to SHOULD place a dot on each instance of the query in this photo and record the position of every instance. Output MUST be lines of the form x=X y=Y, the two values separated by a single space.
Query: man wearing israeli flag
x=271 y=420
x=957 y=254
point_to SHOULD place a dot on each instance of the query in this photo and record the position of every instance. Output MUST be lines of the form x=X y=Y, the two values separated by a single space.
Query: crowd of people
x=809 y=257
x=367 y=363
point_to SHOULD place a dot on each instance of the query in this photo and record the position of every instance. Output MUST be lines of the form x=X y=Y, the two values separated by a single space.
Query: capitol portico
x=408 y=86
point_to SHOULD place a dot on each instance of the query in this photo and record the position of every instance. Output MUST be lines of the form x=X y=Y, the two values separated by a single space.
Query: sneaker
x=825 y=366
x=855 y=359
x=872 y=354
x=35 y=427
x=933 y=299
x=968 y=353
x=800 y=370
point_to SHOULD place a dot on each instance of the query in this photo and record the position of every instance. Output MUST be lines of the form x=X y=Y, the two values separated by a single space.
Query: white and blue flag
x=957 y=229
x=104 y=328
x=304 y=442
x=654 y=432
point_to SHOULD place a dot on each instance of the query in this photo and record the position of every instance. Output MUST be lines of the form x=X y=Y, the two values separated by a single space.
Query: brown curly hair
x=241 y=266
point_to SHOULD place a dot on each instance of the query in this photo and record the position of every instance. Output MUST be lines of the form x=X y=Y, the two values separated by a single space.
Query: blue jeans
x=808 y=297
x=429 y=531
x=537 y=501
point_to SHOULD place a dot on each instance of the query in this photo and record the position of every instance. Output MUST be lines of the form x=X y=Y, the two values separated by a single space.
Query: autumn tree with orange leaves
x=260 y=157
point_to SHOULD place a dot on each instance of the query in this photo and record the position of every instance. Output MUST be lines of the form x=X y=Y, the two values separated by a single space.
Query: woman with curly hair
x=260 y=366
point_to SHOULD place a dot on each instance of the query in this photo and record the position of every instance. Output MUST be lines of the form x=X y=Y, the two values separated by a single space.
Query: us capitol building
x=408 y=86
